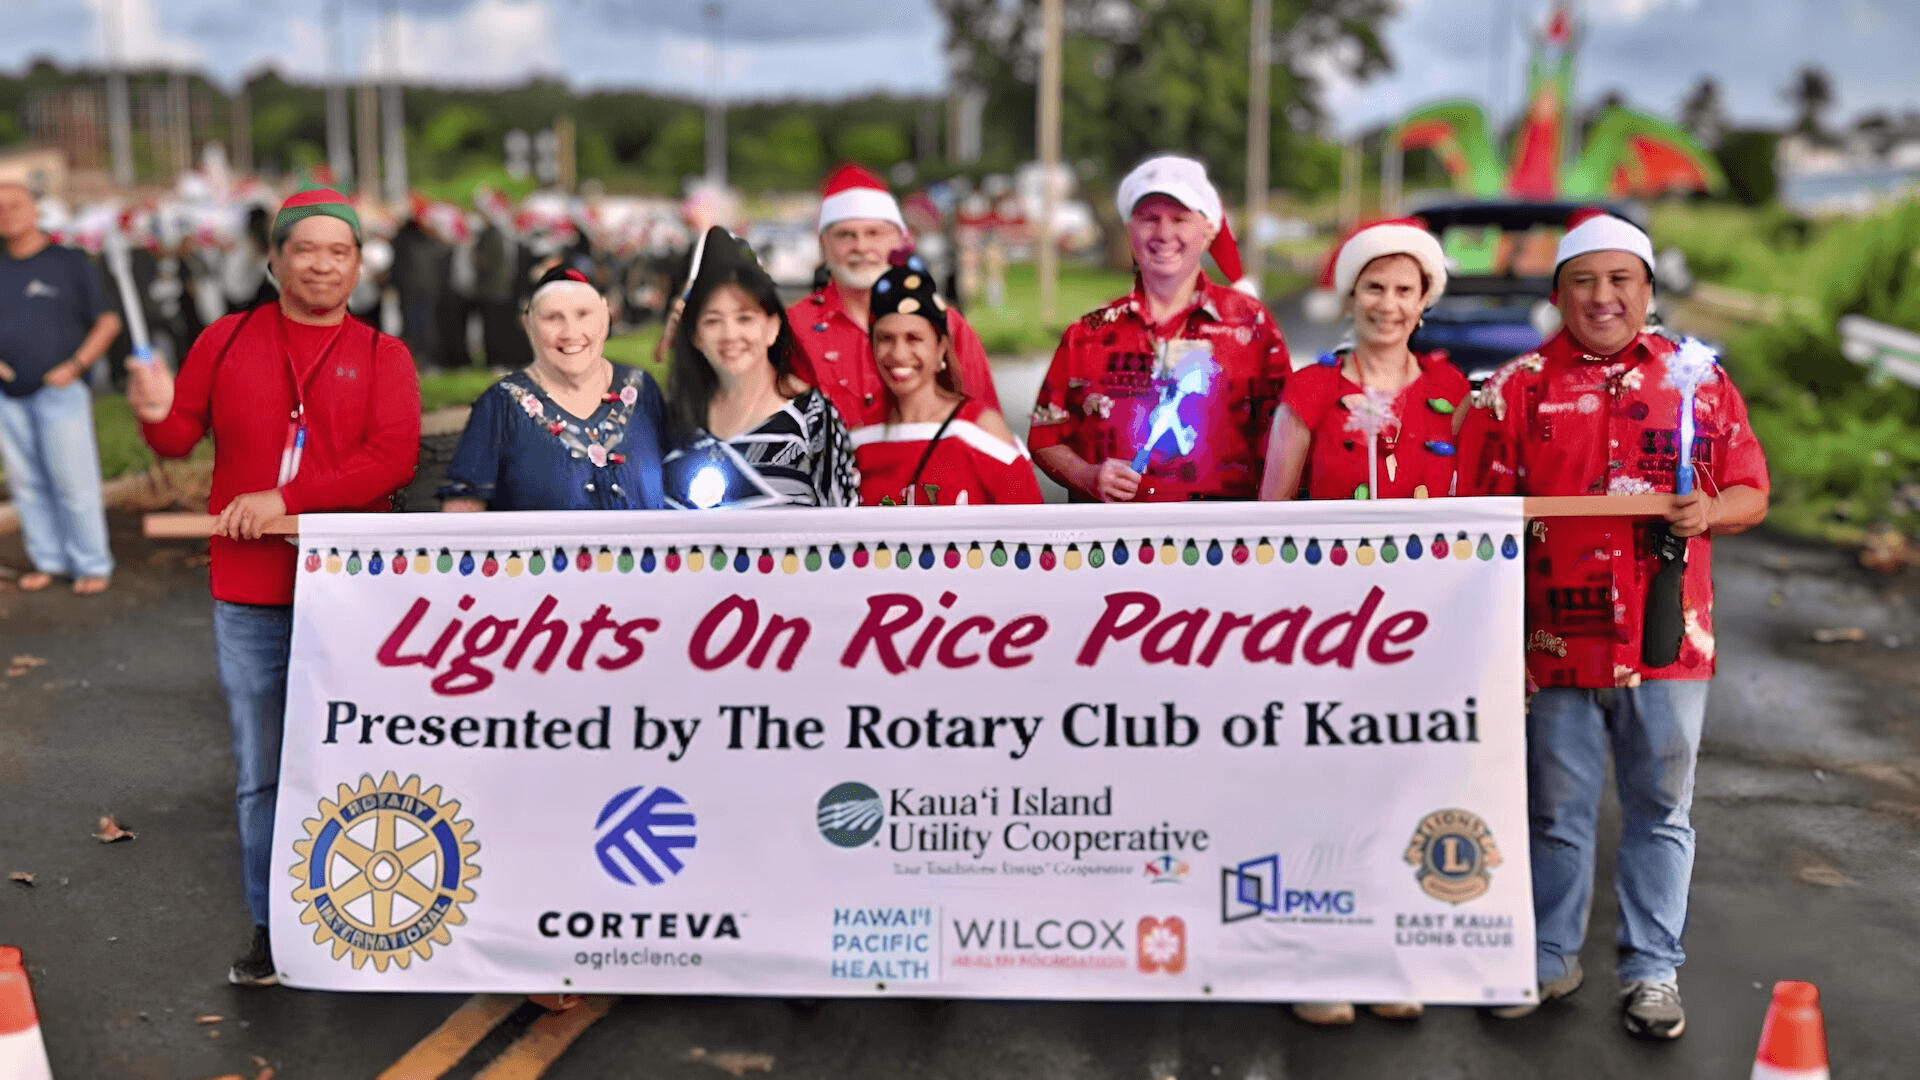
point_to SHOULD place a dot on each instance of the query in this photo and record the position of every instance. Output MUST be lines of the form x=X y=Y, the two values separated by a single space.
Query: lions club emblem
x=1455 y=854
x=385 y=871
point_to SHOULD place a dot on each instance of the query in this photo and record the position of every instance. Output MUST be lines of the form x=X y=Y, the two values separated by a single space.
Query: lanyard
x=295 y=446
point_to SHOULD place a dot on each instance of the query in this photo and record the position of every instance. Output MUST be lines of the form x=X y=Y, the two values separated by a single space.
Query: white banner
x=1203 y=751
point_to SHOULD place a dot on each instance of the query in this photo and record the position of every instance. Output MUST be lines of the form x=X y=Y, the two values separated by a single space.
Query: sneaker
x=256 y=967
x=1325 y=1013
x=1651 y=1010
x=1549 y=991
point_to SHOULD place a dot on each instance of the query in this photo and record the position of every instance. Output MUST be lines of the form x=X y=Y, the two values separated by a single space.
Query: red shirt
x=1563 y=422
x=362 y=409
x=1107 y=377
x=836 y=356
x=968 y=466
x=1416 y=451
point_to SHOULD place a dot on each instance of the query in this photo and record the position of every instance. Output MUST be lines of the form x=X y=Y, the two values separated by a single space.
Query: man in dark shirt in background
x=54 y=324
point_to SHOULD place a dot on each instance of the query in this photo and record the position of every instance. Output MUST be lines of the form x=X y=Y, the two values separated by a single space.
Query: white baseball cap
x=1179 y=178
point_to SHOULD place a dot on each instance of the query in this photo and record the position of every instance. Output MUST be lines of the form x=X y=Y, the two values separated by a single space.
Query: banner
x=1203 y=751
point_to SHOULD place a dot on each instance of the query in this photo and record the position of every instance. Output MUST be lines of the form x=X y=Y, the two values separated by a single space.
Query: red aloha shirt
x=1099 y=395
x=1563 y=422
x=836 y=358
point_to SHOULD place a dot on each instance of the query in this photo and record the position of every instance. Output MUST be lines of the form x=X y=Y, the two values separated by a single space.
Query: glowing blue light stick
x=1187 y=377
x=1694 y=363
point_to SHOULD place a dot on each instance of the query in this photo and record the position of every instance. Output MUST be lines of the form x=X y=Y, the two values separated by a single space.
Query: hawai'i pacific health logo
x=850 y=814
x=1455 y=854
x=640 y=833
x=384 y=871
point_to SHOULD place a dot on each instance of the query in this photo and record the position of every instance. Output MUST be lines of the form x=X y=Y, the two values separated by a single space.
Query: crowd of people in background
x=873 y=390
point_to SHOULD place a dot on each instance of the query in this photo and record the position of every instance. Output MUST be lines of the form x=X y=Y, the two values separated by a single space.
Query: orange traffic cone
x=1793 y=1043
x=22 y=1055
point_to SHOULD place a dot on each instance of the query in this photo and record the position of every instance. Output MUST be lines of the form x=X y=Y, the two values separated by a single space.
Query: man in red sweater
x=310 y=412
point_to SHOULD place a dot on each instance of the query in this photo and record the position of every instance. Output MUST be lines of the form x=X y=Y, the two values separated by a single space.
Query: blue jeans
x=1654 y=732
x=252 y=642
x=53 y=471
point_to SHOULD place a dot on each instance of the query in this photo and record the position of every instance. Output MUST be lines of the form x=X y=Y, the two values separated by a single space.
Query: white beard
x=859 y=280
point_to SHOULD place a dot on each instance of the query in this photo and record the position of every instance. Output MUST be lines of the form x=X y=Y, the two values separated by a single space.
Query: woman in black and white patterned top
x=745 y=431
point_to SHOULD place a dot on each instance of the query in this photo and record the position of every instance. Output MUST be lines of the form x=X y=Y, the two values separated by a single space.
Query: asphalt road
x=1808 y=810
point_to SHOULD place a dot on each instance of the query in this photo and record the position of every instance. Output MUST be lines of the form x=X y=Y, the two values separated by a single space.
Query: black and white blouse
x=799 y=456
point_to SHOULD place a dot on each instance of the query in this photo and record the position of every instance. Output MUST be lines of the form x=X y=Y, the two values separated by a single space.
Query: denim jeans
x=1654 y=732
x=53 y=472
x=252 y=642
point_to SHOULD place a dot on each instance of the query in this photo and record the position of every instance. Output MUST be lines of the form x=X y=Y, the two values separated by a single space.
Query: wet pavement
x=1808 y=812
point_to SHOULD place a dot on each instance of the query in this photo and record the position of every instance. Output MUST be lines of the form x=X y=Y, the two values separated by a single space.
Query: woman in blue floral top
x=572 y=431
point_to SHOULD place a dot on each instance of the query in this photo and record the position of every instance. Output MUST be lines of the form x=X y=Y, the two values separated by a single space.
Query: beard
x=859 y=278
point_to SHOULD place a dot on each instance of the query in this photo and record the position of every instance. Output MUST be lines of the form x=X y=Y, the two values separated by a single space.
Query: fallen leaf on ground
x=230 y=1076
x=110 y=831
x=21 y=876
x=1829 y=876
x=209 y=1018
x=22 y=664
x=260 y=1062
x=1828 y=635
x=733 y=1062
x=265 y=1073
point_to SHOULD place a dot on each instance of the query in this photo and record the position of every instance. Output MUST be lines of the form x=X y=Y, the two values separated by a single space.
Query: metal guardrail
x=1892 y=353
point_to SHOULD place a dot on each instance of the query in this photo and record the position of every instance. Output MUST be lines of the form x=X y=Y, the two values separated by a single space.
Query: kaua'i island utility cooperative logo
x=640 y=833
x=1455 y=854
x=850 y=814
x=384 y=871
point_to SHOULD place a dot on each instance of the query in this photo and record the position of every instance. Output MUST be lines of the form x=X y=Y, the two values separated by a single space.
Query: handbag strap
x=926 y=455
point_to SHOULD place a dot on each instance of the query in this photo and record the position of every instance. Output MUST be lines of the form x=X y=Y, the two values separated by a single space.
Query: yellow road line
x=545 y=1041
x=432 y=1056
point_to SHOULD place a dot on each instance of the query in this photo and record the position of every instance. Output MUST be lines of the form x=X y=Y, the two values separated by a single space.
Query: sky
x=1651 y=50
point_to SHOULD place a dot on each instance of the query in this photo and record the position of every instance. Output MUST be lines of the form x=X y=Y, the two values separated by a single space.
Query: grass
x=1016 y=329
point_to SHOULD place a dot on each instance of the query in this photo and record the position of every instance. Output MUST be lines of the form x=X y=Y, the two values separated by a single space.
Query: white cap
x=1604 y=232
x=1390 y=238
x=1180 y=178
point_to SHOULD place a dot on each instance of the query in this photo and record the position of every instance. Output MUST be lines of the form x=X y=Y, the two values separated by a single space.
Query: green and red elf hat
x=314 y=200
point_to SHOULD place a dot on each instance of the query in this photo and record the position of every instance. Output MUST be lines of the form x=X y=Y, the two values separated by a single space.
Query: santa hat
x=1402 y=236
x=853 y=192
x=1589 y=231
x=1184 y=180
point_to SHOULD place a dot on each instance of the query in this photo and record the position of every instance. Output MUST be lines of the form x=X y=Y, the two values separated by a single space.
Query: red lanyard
x=295 y=446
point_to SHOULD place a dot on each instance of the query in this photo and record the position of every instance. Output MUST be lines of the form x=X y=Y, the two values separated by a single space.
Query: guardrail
x=1892 y=353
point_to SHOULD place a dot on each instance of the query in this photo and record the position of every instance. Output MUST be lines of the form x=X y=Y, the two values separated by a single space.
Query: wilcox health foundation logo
x=1162 y=945
x=640 y=833
x=851 y=814
x=384 y=871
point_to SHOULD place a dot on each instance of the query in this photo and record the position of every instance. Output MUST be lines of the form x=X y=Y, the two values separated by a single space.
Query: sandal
x=90 y=586
x=34 y=581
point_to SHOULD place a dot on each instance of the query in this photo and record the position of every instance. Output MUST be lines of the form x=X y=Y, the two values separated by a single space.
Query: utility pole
x=339 y=128
x=392 y=109
x=1259 y=136
x=240 y=119
x=119 y=111
x=1047 y=254
x=716 y=102
x=367 y=137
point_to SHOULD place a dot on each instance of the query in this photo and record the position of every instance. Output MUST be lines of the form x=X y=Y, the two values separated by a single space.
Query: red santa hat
x=1184 y=180
x=854 y=192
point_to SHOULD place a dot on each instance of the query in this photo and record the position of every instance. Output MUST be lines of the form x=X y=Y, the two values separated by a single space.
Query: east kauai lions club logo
x=385 y=871
x=1455 y=854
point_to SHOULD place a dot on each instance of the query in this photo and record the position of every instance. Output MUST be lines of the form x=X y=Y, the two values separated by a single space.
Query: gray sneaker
x=1549 y=991
x=256 y=968
x=1651 y=1010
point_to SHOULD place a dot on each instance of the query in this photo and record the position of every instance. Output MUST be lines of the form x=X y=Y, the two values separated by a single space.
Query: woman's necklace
x=1389 y=433
x=745 y=416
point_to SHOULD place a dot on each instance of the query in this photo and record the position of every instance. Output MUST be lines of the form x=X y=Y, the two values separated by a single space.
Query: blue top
x=521 y=451
x=48 y=302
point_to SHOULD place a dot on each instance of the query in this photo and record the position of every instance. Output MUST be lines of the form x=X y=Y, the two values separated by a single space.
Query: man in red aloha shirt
x=1595 y=411
x=1167 y=393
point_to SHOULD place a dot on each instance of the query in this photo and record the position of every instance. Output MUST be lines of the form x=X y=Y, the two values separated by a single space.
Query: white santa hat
x=853 y=192
x=1403 y=236
x=1597 y=230
x=1184 y=180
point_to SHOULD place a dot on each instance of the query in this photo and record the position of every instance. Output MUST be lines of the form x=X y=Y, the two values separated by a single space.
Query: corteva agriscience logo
x=640 y=833
x=850 y=814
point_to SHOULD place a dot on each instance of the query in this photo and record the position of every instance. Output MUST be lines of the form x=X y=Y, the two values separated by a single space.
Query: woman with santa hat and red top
x=860 y=226
x=1373 y=420
x=938 y=446
x=1165 y=394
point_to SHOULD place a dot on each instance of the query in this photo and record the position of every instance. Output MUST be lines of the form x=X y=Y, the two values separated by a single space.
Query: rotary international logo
x=1455 y=854
x=384 y=871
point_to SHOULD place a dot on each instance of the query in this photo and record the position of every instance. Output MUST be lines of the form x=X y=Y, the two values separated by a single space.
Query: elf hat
x=853 y=192
x=1184 y=180
x=1596 y=230
x=312 y=200
x=1403 y=236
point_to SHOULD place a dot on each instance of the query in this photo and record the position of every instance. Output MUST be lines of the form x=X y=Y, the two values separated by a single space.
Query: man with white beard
x=860 y=229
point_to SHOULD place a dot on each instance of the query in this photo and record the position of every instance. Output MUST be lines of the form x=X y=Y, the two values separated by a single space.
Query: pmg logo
x=1252 y=888
x=640 y=834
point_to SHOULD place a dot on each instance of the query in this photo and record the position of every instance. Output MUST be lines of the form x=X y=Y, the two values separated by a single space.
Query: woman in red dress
x=1376 y=420
x=1373 y=421
x=938 y=447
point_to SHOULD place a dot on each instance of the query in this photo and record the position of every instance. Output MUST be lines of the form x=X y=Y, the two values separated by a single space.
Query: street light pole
x=339 y=144
x=119 y=110
x=716 y=102
x=393 y=112
x=1047 y=254
x=1259 y=133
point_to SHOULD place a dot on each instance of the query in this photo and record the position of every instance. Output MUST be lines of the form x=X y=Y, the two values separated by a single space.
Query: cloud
x=489 y=41
x=142 y=39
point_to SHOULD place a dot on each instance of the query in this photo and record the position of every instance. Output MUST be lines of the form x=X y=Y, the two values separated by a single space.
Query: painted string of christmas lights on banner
x=903 y=556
